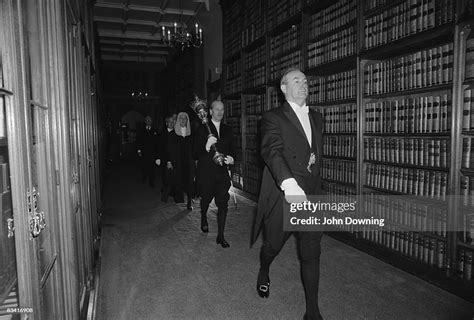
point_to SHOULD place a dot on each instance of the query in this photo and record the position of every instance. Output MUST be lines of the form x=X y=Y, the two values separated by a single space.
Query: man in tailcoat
x=166 y=173
x=213 y=179
x=147 y=150
x=291 y=149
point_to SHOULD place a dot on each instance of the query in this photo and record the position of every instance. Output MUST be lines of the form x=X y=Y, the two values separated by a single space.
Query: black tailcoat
x=286 y=152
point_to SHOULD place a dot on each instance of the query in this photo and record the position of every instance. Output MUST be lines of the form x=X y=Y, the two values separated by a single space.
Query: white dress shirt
x=217 y=125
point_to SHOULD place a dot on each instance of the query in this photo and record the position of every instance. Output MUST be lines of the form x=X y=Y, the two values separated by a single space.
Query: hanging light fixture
x=182 y=37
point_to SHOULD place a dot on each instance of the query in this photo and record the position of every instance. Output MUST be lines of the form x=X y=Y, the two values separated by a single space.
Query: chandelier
x=139 y=95
x=182 y=38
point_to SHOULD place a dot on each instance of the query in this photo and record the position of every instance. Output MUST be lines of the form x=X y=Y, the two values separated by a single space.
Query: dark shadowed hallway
x=156 y=264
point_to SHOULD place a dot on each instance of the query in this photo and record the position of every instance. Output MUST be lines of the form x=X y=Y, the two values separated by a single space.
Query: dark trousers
x=309 y=251
x=168 y=188
x=148 y=170
x=217 y=188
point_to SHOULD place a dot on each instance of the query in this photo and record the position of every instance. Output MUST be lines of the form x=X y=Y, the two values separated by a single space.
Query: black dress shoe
x=263 y=284
x=222 y=242
x=317 y=317
x=204 y=227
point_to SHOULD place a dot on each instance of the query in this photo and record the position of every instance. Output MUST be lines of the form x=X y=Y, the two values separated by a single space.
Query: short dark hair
x=290 y=69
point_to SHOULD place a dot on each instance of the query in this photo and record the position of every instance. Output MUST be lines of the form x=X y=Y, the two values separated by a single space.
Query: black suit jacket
x=207 y=169
x=148 y=143
x=286 y=152
x=163 y=139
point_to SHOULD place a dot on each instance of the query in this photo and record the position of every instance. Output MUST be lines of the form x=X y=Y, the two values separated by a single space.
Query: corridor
x=156 y=264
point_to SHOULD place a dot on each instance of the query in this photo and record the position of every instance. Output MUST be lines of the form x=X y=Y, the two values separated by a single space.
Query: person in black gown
x=180 y=159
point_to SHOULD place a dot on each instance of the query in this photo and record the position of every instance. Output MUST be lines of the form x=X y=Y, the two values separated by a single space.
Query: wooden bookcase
x=394 y=82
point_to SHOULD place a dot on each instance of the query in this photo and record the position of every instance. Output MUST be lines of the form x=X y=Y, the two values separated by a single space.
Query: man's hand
x=229 y=160
x=169 y=166
x=158 y=162
x=210 y=141
x=293 y=192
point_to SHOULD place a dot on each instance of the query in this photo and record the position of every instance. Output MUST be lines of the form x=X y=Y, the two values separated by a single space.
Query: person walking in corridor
x=214 y=180
x=147 y=150
x=180 y=159
x=291 y=149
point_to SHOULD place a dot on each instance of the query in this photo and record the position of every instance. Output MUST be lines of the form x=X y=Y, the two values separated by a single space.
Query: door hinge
x=36 y=219
x=11 y=227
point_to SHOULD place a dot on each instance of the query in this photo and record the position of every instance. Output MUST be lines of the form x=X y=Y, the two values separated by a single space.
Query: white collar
x=297 y=108
x=216 y=123
x=169 y=130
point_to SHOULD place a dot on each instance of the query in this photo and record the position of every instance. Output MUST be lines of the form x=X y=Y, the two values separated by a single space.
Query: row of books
x=422 y=247
x=252 y=141
x=464 y=267
x=468 y=152
x=237 y=180
x=237 y=145
x=254 y=22
x=255 y=57
x=418 y=70
x=252 y=124
x=253 y=172
x=469 y=58
x=335 y=189
x=233 y=86
x=279 y=65
x=408 y=215
x=285 y=41
x=233 y=69
x=232 y=108
x=339 y=146
x=467 y=199
x=418 y=182
x=235 y=124
x=370 y=5
x=468 y=111
x=334 y=87
x=255 y=77
x=334 y=47
x=251 y=185
x=333 y=17
x=338 y=170
x=340 y=118
x=238 y=155
x=255 y=104
x=416 y=114
x=407 y=18
x=253 y=12
x=273 y=100
x=253 y=32
x=232 y=25
x=281 y=10
x=252 y=156
x=409 y=151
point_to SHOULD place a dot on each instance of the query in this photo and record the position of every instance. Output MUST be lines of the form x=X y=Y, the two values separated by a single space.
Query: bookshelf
x=394 y=81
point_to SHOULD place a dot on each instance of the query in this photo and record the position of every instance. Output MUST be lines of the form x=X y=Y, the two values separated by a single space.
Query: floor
x=156 y=264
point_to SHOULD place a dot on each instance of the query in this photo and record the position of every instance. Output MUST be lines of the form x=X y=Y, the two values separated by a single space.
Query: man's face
x=148 y=121
x=170 y=123
x=295 y=87
x=217 y=110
